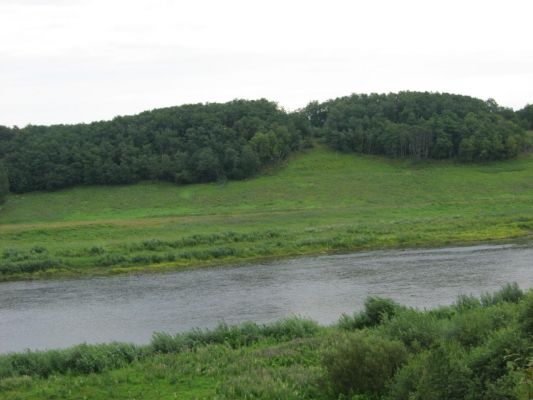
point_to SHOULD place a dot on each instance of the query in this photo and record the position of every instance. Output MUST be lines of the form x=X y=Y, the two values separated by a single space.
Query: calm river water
x=53 y=314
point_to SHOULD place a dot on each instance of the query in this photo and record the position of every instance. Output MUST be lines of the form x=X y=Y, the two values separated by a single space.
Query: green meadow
x=319 y=201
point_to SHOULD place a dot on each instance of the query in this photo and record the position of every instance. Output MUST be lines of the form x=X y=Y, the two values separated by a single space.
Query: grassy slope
x=320 y=201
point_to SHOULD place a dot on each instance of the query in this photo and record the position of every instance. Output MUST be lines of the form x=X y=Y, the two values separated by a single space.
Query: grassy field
x=197 y=375
x=477 y=349
x=320 y=201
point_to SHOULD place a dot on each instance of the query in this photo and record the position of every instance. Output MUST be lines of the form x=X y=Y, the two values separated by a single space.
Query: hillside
x=199 y=143
x=318 y=201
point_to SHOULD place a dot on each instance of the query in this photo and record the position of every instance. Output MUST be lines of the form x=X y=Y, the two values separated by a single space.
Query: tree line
x=526 y=116
x=191 y=143
x=235 y=140
x=420 y=125
x=4 y=184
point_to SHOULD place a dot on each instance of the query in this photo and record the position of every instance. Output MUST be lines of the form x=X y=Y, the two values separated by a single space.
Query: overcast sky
x=65 y=61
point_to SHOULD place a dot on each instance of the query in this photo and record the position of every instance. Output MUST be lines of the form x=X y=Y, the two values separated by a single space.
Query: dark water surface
x=53 y=314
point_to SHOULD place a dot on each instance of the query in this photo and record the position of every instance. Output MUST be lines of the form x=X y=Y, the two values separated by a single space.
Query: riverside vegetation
x=255 y=187
x=478 y=348
x=320 y=201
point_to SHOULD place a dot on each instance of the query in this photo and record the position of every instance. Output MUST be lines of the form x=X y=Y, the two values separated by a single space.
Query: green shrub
x=351 y=322
x=493 y=360
x=526 y=314
x=467 y=302
x=363 y=364
x=472 y=327
x=437 y=374
x=81 y=359
x=9 y=268
x=163 y=342
x=504 y=388
x=376 y=310
x=469 y=328
x=415 y=329
x=509 y=293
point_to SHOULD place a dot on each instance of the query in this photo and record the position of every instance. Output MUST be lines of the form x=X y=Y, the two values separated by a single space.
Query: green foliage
x=510 y=293
x=376 y=310
x=419 y=125
x=491 y=371
x=234 y=336
x=85 y=359
x=439 y=374
x=191 y=143
x=291 y=328
x=4 y=184
x=472 y=327
x=526 y=116
x=416 y=330
x=505 y=349
x=235 y=140
x=261 y=386
x=82 y=359
x=529 y=141
x=467 y=302
x=526 y=314
x=363 y=364
x=28 y=267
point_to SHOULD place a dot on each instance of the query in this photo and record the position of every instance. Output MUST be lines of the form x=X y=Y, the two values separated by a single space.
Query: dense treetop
x=422 y=125
x=191 y=143
x=526 y=116
x=4 y=184
x=235 y=140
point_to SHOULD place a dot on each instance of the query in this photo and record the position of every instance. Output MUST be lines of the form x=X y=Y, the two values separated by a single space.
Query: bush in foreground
x=364 y=364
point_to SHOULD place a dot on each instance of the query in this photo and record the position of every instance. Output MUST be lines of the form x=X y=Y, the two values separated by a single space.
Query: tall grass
x=84 y=359
x=235 y=336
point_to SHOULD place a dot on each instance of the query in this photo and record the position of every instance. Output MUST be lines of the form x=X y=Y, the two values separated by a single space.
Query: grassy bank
x=320 y=201
x=478 y=348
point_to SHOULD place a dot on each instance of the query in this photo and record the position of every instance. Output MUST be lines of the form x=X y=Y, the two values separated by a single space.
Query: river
x=129 y=308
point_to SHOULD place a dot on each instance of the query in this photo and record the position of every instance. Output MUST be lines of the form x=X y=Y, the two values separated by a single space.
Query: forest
x=4 y=184
x=235 y=140
x=192 y=143
x=420 y=125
